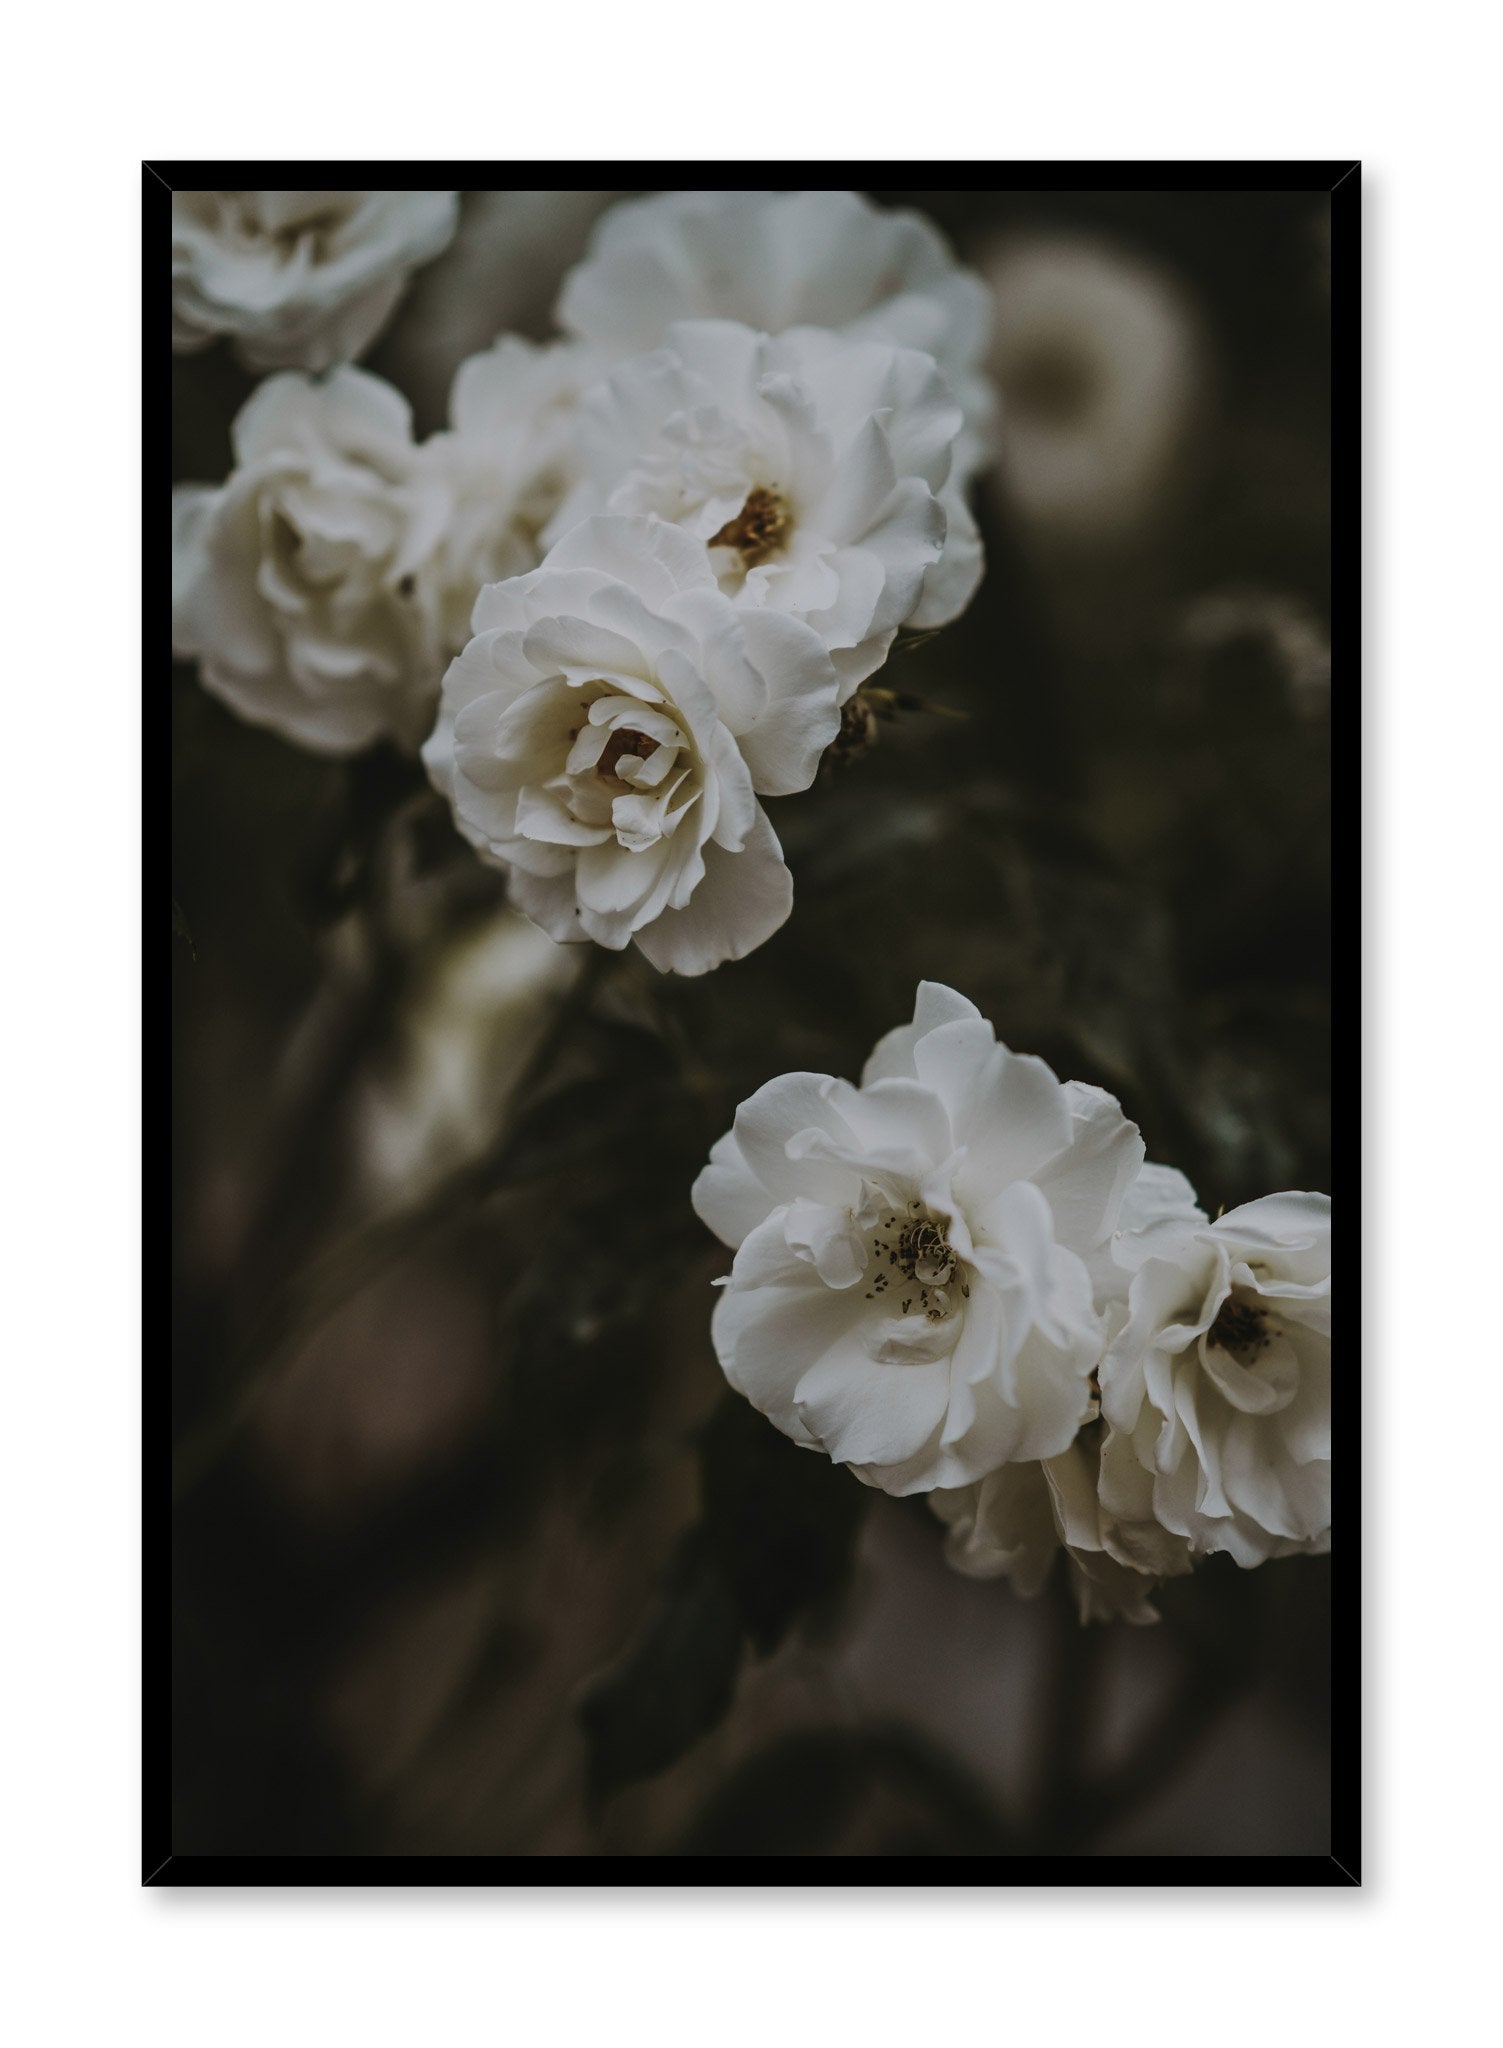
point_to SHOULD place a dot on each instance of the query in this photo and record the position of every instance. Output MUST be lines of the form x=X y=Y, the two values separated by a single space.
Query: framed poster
x=752 y=844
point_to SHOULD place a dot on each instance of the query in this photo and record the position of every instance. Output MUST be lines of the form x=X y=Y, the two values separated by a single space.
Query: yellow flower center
x=758 y=530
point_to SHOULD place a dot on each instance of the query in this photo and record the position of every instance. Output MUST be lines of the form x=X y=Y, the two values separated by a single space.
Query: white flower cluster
x=962 y=1279
x=658 y=554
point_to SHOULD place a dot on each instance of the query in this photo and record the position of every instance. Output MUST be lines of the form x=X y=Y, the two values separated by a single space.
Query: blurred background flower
x=1103 y=372
x=471 y=1020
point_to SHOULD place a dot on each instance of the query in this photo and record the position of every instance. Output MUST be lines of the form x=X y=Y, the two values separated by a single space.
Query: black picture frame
x=161 y=1864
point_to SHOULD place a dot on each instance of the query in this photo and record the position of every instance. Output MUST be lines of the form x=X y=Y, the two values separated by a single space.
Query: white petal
x=861 y=488
x=829 y=1240
x=727 y=1197
x=649 y=556
x=768 y=1122
x=364 y=412
x=906 y=541
x=1010 y=1110
x=952 y=581
x=801 y=713
x=1296 y=1226
x=550 y=902
x=892 y=1056
x=742 y=900
x=772 y=1321
x=1087 y=1183
x=1003 y=1526
x=867 y=1414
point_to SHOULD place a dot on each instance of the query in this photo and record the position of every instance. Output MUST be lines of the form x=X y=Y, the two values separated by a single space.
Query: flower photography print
x=752 y=1061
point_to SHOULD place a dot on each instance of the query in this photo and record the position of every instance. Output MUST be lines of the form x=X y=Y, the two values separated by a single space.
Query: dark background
x=473 y=1553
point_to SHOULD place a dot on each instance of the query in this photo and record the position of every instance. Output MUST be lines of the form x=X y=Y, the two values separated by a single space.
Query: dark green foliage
x=774 y=1543
x=585 y=1118
x=675 y=1681
x=806 y=1795
x=781 y=1521
x=345 y=838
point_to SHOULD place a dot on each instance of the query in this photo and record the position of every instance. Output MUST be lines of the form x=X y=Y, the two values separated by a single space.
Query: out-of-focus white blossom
x=911 y=1291
x=325 y=585
x=1287 y=628
x=606 y=733
x=1101 y=368
x=1014 y=1524
x=303 y=585
x=811 y=471
x=472 y=1020
x=299 y=280
x=776 y=260
x=1217 y=1389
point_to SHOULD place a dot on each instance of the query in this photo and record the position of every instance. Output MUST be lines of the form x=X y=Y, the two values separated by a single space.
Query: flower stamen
x=758 y=530
x=925 y=1264
x=1240 y=1327
x=623 y=741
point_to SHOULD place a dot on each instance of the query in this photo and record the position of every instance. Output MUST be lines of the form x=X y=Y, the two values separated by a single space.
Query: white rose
x=1218 y=1387
x=775 y=260
x=910 y=1292
x=300 y=280
x=506 y=462
x=303 y=585
x=1014 y=1524
x=1017 y=1520
x=811 y=470
x=606 y=733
